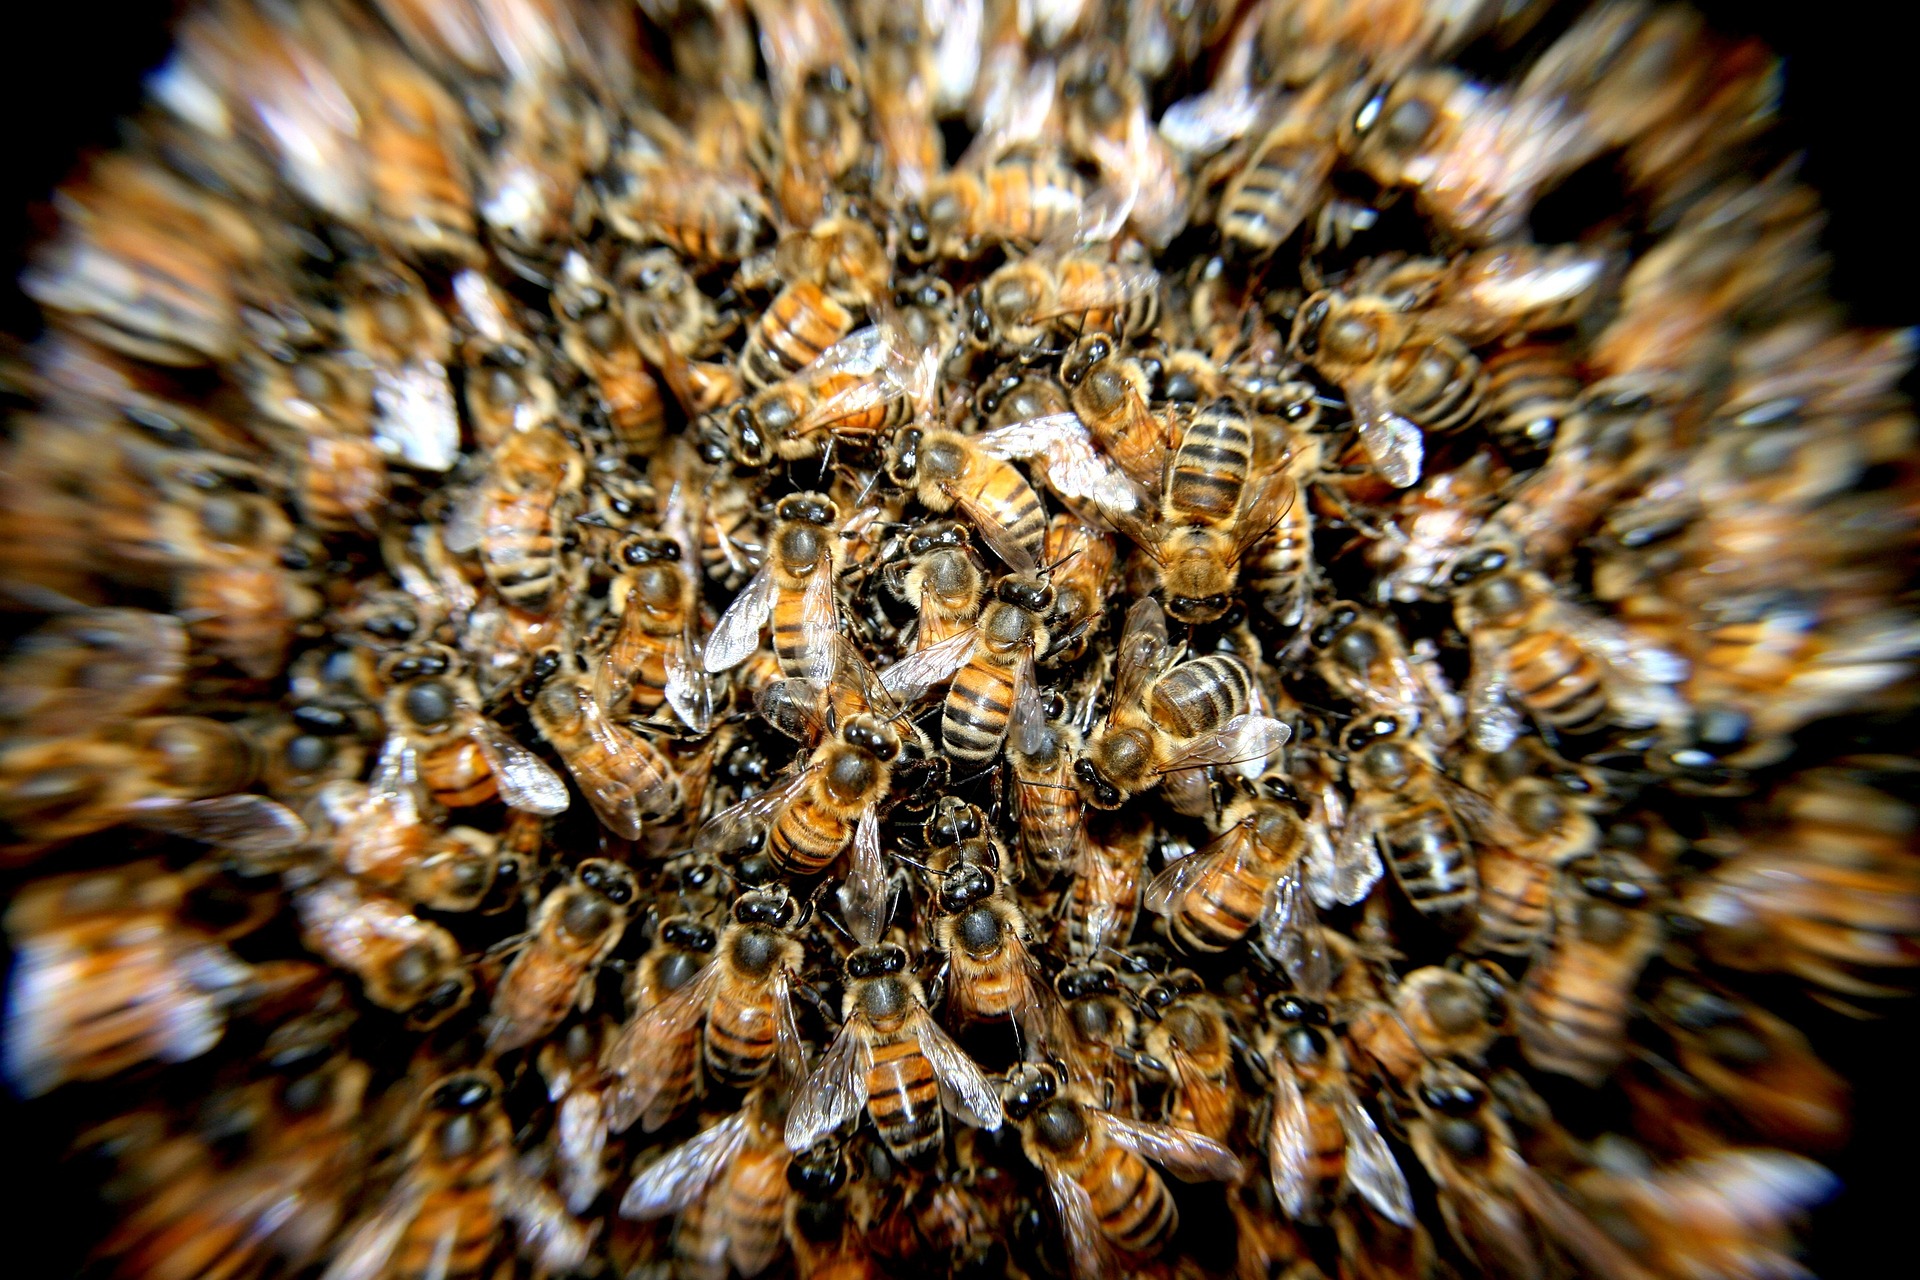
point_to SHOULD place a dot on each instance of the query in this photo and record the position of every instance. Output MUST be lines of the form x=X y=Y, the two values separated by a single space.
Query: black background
x=70 y=68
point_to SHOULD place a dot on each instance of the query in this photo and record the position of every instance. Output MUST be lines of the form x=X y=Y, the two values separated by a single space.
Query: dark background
x=70 y=68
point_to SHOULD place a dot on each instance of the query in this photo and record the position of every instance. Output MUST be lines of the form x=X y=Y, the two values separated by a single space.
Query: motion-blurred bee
x=1019 y=305
x=442 y=745
x=854 y=392
x=1023 y=200
x=404 y=963
x=517 y=514
x=1365 y=658
x=595 y=335
x=624 y=777
x=574 y=929
x=1574 y=1005
x=656 y=197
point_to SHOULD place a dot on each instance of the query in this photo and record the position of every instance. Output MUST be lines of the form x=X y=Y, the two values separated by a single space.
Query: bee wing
x=677 y=1180
x=1642 y=675
x=863 y=896
x=466 y=523
x=1483 y=818
x=1357 y=847
x=1246 y=740
x=1266 y=505
x=1028 y=719
x=689 y=687
x=789 y=1049
x=581 y=1126
x=1290 y=934
x=964 y=1088
x=1371 y=1168
x=736 y=825
x=835 y=1092
x=1017 y=555
x=1087 y=1248
x=1076 y=469
x=1495 y=721
x=414 y=417
x=914 y=674
x=881 y=374
x=1181 y=1152
x=1393 y=445
x=737 y=634
x=819 y=625
x=552 y=1239
x=1143 y=653
x=526 y=783
x=241 y=823
x=618 y=807
x=1116 y=285
x=1290 y=1143
x=656 y=1049
x=1166 y=891
x=1338 y=873
x=371 y=1245
x=1596 y=1252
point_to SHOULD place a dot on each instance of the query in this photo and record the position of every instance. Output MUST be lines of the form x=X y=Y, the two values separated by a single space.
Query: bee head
x=1029 y=1087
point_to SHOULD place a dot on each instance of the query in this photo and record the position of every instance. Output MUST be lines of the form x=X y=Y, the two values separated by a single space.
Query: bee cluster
x=726 y=634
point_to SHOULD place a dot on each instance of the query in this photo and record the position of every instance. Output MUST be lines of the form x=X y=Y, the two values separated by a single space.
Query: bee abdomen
x=1438 y=383
x=798 y=325
x=903 y=1098
x=1198 y=697
x=1531 y=389
x=1273 y=196
x=1210 y=468
x=1563 y=1033
x=807 y=836
x=1516 y=901
x=1132 y=1203
x=1220 y=911
x=739 y=1046
x=1433 y=863
x=1558 y=681
x=974 y=723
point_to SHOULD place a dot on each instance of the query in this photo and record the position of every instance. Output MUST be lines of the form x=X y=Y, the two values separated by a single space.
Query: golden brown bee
x=653 y=654
x=418 y=155
x=1515 y=910
x=1434 y=1013
x=595 y=332
x=92 y=667
x=946 y=470
x=1096 y=1164
x=1106 y=105
x=1019 y=305
x=728 y=1186
x=404 y=963
x=1167 y=718
x=941 y=577
x=1283 y=179
x=901 y=84
x=569 y=1066
x=381 y=837
x=241 y=602
x=989 y=972
x=1022 y=201
x=891 y=1059
x=1109 y=392
x=460 y=1191
x=1574 y=1005
x=1189 y=1045
x=826 y=1243
x=854 y=392
x=443 y=746
x=530 y=189
x=575 y=928
x=1532 y=388
x=626 y=779
x=708 y=215
x=390 y=318
x=327 y=405
x=821 y=138
x=517 y=514
x=1279 y=571
x=793 y=589
x=731 y=1020
x=1042 y=748
x=1250 y=875
x=682 y=945
x=1366 y=659
x=1320 y=1141
x=1080 y=558
x=1518 y=289
x=801 y=323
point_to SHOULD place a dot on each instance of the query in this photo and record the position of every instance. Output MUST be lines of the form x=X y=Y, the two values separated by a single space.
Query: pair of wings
x=1369 y=1164
x=864 y=371
x=1289 y=926
x=837 y=1090
x=1110 y=879
x=524 y=779
x=1185 y=1154
x=679 y=1179
x=737 y=635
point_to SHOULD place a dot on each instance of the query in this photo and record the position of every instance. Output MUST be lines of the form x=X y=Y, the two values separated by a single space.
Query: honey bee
x=1513 y=290
x=901 y=82
x=728 y=1184
x=1515 y=910
x=1109 y=393
x=1435 y=1013
x=1104 y=899
x=1169 y=717
x=941 y=577
x=460 y=1190
x=576 y=1086
x=1575 y=1002
x=418 y=155
x=1022 y=201
x=945 y=470
x=801 y=323
x=654 y=656
x=827 y=1244
x=794 y=588
x=404 y=963
x=987 y=968
x=891 y=1059
x=1283 y=180
x=1400 y=377
x=1105 y=106
x=1365 y=659
x=1020 y=304
x=1097 y=1168
x=821 y=138
x=110 y=971
x=732 y=1020
x=231 y=581
x=516 y=515
x=656 y=197
x=682 y=945
x=442 y=744
x=389 y=316
x=1190 y=1046
x=624 y=777
x=381 y=838
x=553 y=133
x=1320 y=1141
x=1572 y=670
x=91 y=667
x=1279 y=569
x=1042 y=748
x=575 y=928
x=1252 y=874
x=596 y=335
x=326 y=405
x=1081 y=559
x=852 y=392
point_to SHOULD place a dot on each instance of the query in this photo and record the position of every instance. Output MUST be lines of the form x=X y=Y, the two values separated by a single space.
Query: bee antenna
x=915 y=863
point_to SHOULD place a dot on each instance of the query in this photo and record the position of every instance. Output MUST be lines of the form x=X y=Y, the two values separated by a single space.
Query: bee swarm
x=731 y=636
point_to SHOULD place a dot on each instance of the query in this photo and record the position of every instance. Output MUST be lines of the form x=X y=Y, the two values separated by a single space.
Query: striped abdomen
x=1092 y=297
x=1028 y=200
x=1221 y=908
x=998 y=486
x=706 y=217
x=753 y=1206
x=1575 y=1003
x=639 y=659
x=240 y=614
x=458 y=775
x=1327 y=1137
x=1430 y=858
x=1200 y=696
x=902 y=1096
x=1437 y=382
x=810 y=832
x=1210 y=468
x=1516 y=902
x=790 y=629
x=456 y=1233
x=1277 y=570
x=1531 y=390
x=974 y=722
x=343 y=482
x=739 y=1044
x=800 y=323
x=1278 y=189
x=519 y=550
x=1134 y=1207
x=1558 y=681
x=1107 y=883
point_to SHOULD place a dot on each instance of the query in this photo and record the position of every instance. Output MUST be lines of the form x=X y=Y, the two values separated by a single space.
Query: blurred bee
x=569 y=1066
x=79 y=670
x=827 y=1244
x=419 y=154
x=516 y=515
x=731 y=1021
x=1283 y=180
x=1365 y=659
x=852 y=392
x=1105 y=107
x=1495 y=1205
x=987 y=969
x=595 y=333
x=110 y=971
x=1097 y=1168
x=1190 y=1047
x=531 y=189
x=1081 y=558
x=1515 y=910
x=1532 y=388
x=1022 y=201
x=711 y=216
x=1320 y=1141
x=1518 y=289
x=890 y=1058
x=624 y=776
x=1109 y=392
x=1279 y=569
x=1434 y=1014
x=680 y=330
x=441 y=743
x=231 y=583
x=793 y=588
x=1574 y=671
x=381 y=837
x=945 y=470
x=941 y=577
x=821 y=138
x=326 y=405
x=404 y=963
x=1400 y=378
x=1577 y=997
x=728 y=1185
x=901 y=82
x=1169 y=717
x=1019 y=305
x=459 y=1190
x=574 y=929
x=682 y=945
x=388 y=316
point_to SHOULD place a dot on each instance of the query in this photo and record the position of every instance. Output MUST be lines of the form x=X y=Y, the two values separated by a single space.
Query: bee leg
x=1256 y=1064
x=817 y=1002
x=937 y=986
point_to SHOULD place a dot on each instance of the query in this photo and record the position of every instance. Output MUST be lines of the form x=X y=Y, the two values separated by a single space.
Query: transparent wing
x=1087 y=1248
x=1112 y=287
x=1244 y=740
x=819 y=625
x=414 y=417
x=835 y=1092
x=1269 y=502
x=1075 y=469
x=1290 y=1144
x=466 y=524
x=525 y=781
x=240 y=823
x=1290 y=934
x=655 y=1050
x=1495 y=723
x=863 y=897
x=689 y=687
x=737 y=634
x=1166 y=891
x=964 y=1088
x=1338 y=874
x=675 y=1181
x=789 y=1049
x=618 y=806
x=1179 y=1151
x=1143 y=653
x=1018 y=556
x=1027 y=722
x=1371 y=1168
x=914 y=674
x=1393 y=445
x=738 y=825
x=881 y=374
x=1357 y=847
